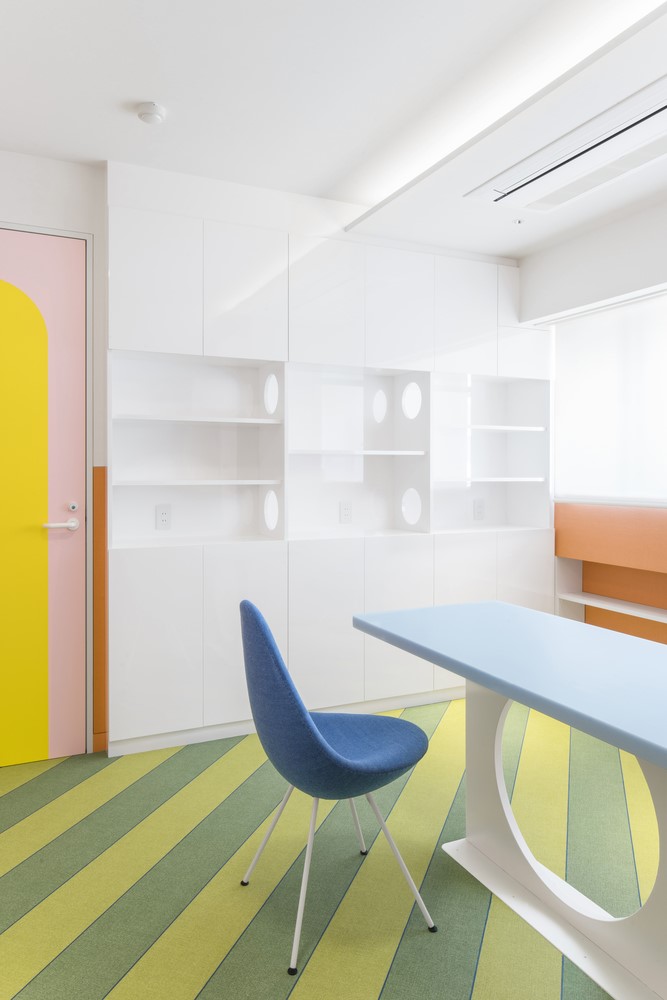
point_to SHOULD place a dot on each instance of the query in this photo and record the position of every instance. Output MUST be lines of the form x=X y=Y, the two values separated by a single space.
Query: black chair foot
x=433 y=929
x=291 y=971
x=364 y=853
x=244 y=883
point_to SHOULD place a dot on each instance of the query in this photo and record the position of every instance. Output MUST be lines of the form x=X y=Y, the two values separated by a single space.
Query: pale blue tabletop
x=608 y=684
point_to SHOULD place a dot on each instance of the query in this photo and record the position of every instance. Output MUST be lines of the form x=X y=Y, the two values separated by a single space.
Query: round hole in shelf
x=411 y=506
x=411 y=400
x=379 y=406
x=271 y=394
x=271 y=510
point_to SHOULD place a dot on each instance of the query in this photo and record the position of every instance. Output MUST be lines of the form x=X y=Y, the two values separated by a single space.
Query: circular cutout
x=411 y=506
x=566 y=790
x=411 y=400
x=271 y=394
x=379 y=406
x=271 y=510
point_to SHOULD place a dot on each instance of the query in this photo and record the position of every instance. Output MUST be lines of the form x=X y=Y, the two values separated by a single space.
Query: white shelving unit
x=358 y=451
x=490 y=439
x=327 y=428
x=572 y=600
x=202 y=438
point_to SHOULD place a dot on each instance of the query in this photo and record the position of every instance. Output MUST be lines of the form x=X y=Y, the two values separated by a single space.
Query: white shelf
x=174 y=419
x=325 y=452
x=488 y=479
x=197 y=482
x=509 y=479
x=509 y=427
x=613 y=604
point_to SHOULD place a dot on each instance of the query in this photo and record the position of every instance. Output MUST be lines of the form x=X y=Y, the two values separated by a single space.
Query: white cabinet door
x=399 y=309
x=326 y=302
x=526 y=568
x=155 y=282
x=399 y=574
x=326 y=588
x=465 y=567
x=245 y=292
x=464 y=570
x=466 y=316
x=155 y=641
x=256 y=571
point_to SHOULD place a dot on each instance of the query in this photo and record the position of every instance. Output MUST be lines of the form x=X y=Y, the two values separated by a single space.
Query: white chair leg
x=408 y=878
x=274 y=821
x=304 y=886
x=357 y=827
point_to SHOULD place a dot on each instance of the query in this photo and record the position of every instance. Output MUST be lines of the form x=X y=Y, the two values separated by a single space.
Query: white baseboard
x=161 y=741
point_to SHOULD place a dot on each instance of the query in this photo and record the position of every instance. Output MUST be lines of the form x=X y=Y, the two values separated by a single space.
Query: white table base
x=626 y=956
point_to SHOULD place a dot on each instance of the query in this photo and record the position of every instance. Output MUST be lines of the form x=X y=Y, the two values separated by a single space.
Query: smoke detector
x=151 y=113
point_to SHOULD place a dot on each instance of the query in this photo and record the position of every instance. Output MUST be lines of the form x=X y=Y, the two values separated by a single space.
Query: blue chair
x=326 y=755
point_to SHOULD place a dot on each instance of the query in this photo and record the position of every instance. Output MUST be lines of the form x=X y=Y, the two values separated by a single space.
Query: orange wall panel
x=100 y=609
x=635 y=537
x=635 y=585
x=657 y=631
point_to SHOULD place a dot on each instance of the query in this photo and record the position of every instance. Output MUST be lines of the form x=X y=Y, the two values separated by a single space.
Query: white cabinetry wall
x=380 y=442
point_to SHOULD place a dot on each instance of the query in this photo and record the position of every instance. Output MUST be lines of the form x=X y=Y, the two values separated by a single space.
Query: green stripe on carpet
x=123 y=877
x=44 y=872
x=47 y=786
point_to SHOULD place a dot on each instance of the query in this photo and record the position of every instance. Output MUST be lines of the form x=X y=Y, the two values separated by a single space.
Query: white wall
x=44 y=194
x=622 y=258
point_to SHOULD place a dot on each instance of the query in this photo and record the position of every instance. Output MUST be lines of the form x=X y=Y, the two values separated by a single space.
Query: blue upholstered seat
x=328 y=755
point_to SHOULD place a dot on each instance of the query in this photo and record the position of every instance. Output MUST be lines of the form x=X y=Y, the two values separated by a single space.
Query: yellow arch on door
x=24 y=640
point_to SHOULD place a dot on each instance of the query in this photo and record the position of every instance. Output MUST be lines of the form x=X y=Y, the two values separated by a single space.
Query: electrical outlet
x=163 y=516
x=345 y=512
x=478 y=509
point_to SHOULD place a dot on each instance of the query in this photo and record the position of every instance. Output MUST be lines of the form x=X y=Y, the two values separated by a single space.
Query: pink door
x=43 y=469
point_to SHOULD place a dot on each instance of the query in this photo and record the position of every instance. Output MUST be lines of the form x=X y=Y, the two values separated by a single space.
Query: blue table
x=605 y=683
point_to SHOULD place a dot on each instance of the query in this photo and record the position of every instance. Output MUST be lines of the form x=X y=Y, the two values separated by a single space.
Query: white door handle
x=71 y=525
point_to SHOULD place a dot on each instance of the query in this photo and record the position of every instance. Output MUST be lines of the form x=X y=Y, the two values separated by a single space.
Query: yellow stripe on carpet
x=183 y=959
x=14 y=775
x=35 y=940
x=643 y=824
x=517 y=963
x=355 y=954
x=43 y=826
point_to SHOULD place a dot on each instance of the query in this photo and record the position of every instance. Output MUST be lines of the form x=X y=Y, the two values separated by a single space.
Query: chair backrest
x=290 y=738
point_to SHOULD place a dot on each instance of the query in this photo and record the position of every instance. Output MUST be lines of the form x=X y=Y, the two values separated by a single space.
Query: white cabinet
x=155 y=282
x=399 y=309
x=466 y=316
x=490 y=443
x=526 y=568
x=197 y=450
x=326 y=302
x=358 y=451
x=245 y=292
x=234 y=572
x=398 y=574
x=465 y=567
x=155 y=641
x=326 y=588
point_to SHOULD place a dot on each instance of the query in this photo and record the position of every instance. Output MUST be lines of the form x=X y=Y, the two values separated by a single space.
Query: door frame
x=88 y=239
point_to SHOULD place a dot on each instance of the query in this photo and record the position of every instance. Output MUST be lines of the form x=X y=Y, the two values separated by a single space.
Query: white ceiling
x=348 y=99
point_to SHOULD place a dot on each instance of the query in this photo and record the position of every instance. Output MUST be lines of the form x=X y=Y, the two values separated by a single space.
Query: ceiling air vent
x=626 y=136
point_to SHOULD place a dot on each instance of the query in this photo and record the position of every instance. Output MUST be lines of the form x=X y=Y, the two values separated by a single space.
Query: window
x=611 y=404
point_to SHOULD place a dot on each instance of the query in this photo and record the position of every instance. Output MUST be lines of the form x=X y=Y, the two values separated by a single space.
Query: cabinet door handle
x=71 y=525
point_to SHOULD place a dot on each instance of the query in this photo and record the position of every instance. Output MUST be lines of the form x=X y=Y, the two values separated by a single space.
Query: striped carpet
x=120 y=878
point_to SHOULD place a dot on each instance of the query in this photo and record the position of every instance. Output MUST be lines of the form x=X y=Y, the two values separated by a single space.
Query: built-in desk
x=576 y=673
